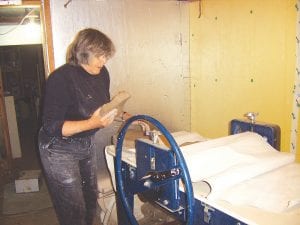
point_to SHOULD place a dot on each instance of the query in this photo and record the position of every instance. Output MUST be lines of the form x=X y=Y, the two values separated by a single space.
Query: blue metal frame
x=270 y=131
x=128 y=184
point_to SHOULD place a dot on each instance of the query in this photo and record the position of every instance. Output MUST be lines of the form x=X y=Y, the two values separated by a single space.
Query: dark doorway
x=23 y=77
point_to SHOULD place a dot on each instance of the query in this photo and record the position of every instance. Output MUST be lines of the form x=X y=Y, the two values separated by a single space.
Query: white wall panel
x=152 y=59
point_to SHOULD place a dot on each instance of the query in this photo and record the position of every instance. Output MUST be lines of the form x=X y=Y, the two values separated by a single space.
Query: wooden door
x=5 y=151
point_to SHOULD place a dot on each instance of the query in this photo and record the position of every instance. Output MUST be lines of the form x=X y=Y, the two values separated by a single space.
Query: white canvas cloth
x=224 y=168
x=276 y=191
x=244 y=169
x=226 y=161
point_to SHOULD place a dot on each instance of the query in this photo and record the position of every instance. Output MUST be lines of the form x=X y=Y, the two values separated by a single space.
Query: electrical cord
x=15 y=27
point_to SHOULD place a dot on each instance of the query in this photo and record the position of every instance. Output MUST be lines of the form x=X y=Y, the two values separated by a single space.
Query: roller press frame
x=203 y=211
x=126 y=191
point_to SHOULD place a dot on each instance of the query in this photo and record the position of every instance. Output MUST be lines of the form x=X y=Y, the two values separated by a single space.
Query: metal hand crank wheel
x=185 y=177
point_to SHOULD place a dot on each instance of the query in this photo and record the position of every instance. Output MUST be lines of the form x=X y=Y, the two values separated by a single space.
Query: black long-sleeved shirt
x=73 y=94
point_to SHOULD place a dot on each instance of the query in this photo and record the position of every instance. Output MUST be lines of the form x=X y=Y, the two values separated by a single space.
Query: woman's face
x=95 y=64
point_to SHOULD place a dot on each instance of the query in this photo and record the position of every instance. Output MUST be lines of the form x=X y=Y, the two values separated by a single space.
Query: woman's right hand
x=95 y=121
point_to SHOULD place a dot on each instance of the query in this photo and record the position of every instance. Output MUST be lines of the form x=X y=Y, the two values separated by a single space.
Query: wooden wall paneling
x=47 y=37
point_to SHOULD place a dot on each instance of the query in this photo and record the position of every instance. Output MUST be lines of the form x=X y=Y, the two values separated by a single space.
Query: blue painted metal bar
x=179 y=157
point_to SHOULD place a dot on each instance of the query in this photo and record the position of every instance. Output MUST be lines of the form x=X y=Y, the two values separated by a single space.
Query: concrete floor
x=41 y=216
x=47 y=216
x=28 y=161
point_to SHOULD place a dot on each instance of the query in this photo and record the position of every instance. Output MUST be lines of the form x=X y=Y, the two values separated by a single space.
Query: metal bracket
x=154 y=135
x=157 y=176
x=207 y=212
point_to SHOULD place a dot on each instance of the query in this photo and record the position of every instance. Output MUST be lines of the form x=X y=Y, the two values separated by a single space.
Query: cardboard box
x=28 y=181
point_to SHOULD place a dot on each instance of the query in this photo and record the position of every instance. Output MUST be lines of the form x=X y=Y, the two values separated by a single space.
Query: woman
x=74 y=95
